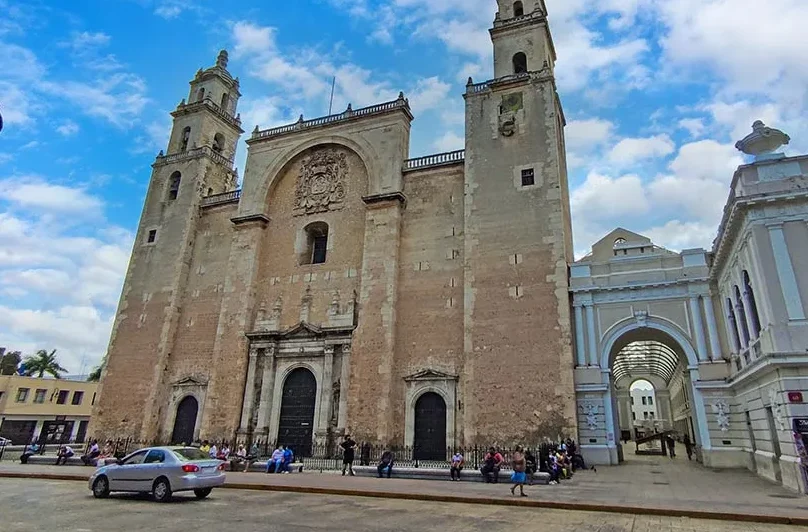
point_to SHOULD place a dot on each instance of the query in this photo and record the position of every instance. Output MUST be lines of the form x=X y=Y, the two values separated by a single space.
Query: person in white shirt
x=274 y=463
x=64 y=453
x=214 y=451
x=93 y=453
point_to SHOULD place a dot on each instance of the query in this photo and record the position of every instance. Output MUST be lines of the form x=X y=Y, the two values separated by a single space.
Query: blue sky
x=655 y=94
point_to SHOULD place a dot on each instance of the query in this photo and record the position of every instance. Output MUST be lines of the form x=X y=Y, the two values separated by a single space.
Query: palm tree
x=95 y=374
x=43 y=362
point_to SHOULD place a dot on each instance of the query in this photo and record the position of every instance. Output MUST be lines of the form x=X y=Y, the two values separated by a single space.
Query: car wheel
x=202 y=493
x=101 y=488
x=161 y=490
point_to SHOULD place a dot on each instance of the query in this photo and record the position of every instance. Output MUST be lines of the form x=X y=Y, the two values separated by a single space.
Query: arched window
x=225 y=101
x=519 y=63
x=316 y=243
x=186 y=135
x=174 y=185
x=733 y=325
x=218 y=143
x=200 y=95
x=518 y=9
x=741 y=317
x=751 y=304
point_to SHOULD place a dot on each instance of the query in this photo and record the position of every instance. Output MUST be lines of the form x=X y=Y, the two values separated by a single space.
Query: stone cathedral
x=434 y=302
x=348 y=287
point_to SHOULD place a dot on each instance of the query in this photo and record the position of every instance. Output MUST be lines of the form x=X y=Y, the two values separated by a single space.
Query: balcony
x=204 y=151
x=184 y=108
x=438 y=159
x=221 y=199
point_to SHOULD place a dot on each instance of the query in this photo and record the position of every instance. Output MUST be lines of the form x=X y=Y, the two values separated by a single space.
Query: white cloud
x=59 y=290
x=30 y=145
x=694 y=126
x=68 y=128
x=588 y=134
x=36 y=193
x=250 y=38
x=602 y=197
x=450 y=141
x=632 y=150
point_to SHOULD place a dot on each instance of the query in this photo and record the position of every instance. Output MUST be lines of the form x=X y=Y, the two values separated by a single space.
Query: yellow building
x=58 y=411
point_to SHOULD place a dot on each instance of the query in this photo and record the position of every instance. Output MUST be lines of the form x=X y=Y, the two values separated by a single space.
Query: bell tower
x=521 y=37
x=198 y=163
x=518 y=240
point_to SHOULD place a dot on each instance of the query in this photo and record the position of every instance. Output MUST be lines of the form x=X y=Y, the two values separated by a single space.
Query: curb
x=460 y=499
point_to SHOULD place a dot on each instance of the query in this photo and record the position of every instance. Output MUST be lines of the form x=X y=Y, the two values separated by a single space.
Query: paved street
x=66 y=506
x=642 y=482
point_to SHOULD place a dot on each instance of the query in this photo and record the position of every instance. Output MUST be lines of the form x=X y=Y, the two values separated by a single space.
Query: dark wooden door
x=185 y=422
x=296 y=426
x=430 y=428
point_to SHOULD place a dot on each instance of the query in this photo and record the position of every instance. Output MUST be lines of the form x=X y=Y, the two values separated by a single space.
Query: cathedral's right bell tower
x=518 y=375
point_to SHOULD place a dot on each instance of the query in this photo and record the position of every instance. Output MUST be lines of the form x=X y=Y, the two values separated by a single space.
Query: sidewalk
x=650 y=486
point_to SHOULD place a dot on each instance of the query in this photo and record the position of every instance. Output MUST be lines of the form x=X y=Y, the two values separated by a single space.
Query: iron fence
x=329 y=456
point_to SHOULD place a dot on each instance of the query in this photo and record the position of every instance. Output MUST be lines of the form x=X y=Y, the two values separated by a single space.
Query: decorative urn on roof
x=763 y=141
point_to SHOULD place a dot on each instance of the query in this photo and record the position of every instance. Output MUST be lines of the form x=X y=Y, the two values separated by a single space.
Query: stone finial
x=161 y=154
x=300 y=119
x=401 y=95
x=222 y=60
x=763 y=141
x=182 y=103
x=256 y=130
x=334 y=308
x=469 y=82
x=276 y=308
x=262 y=311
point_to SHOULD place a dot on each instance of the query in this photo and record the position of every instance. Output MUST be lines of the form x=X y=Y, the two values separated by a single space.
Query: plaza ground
x=69 y=506
x=643 y=485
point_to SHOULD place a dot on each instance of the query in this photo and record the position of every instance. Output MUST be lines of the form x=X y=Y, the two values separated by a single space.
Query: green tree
x=95 y=374
x=42 y=363
x=9 y=362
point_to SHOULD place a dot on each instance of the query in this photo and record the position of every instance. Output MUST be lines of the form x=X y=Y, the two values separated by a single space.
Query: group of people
x=281 y=460
x=93 y=456
x=670 y=440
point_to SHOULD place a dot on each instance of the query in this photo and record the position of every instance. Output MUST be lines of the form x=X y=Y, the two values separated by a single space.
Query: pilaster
x=326 y=393
x=580 y=347
x=712 y=329
x=592 y=337
x=785 y=273
x=698 y=326
x=249 y=392
x=267 y=389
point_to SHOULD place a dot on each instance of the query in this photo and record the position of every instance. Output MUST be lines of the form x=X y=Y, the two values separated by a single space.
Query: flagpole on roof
x=331 y=102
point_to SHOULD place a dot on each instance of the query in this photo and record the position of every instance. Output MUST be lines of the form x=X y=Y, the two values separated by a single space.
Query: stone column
x=345 y=375
x=785 y=273
x=698 y=326
x=712 y=328
x=580 y=347
x=593 y=341
x=249 y=392
x=326 y=388
x=267 y=389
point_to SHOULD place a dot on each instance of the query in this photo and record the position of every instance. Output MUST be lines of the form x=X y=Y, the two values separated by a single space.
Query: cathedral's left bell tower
x=198 y=162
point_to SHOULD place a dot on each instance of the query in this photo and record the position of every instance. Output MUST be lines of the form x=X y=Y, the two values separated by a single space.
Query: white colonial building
x=722 y=335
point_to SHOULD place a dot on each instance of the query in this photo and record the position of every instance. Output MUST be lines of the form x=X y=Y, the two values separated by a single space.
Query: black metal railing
x=328 y=456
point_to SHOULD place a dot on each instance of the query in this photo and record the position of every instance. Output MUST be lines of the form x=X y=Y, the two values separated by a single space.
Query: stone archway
x=298 y=403
x=185 y=421
x=654 y=350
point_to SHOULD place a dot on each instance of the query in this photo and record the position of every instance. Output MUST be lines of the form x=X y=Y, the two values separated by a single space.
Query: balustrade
x=438 y=159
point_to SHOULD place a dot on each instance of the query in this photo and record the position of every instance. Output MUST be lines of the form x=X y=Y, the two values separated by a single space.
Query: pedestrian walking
x=519 y=476
x=688 y=447
x=348 y=452
x=671 y=446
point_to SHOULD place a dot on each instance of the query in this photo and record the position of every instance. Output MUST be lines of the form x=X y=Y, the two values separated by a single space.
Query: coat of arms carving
x=321 y=184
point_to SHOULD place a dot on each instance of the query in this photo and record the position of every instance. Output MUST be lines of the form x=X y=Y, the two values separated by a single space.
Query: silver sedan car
x=161 y=471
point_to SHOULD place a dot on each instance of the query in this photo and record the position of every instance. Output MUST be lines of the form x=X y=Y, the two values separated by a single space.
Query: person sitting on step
x=386 y=464
x=492 y=463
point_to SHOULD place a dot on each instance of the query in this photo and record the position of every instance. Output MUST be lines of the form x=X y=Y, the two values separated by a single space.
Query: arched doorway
x=430 y=427
x=662 y=356
x=296 y=426
x=185 y=422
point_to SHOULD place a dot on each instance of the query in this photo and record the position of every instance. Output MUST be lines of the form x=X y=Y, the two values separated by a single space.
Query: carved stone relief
x=321 y=183
x=591 y=412
x=721 y=411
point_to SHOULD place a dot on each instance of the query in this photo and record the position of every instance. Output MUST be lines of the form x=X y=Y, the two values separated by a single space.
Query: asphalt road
x=35 y=505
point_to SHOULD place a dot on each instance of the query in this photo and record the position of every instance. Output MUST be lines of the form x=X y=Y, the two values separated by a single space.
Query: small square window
x=22 y=395
x=77 y=398
x=152 y=236
x=527 y=177
x=40 y=396
x=62 y=399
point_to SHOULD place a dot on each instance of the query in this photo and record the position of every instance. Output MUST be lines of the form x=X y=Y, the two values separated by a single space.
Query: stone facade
x=348 y=288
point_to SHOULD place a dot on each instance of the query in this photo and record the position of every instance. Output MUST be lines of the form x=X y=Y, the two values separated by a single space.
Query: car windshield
x=187 y=454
